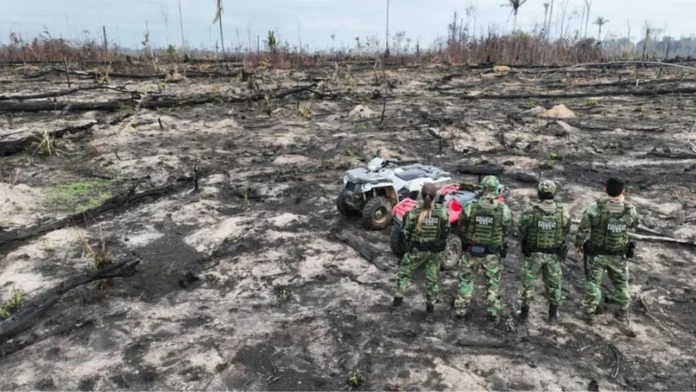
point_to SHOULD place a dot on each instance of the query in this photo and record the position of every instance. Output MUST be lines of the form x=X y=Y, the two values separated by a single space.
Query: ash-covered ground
x=242 y=287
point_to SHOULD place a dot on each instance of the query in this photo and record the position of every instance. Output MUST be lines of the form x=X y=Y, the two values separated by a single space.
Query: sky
x=315 y=21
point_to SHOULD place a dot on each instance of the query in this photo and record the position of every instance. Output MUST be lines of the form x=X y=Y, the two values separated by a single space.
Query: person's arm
x=566 y=221
x=507 y=219
x=585 y=226
x=524 y=222
x=445 y=225
x=408 y=227
x=464 y=217
x=635 y=218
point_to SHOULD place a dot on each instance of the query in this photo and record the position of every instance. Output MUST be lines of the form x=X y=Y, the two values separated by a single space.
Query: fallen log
x=29 y=231
x=31 y=312
x=650 y=238
x=16 y=141
x=587 y=94
x=672 y=155
x=483 y=170
x=118 y=75
x=157 y=103
x=365 y=249
x=590 y=126
x=51 y=94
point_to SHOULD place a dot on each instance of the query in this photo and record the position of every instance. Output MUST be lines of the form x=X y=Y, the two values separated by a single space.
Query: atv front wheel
x=344 y=208
x=397 y=241
x=377 y=213
x=453 y=253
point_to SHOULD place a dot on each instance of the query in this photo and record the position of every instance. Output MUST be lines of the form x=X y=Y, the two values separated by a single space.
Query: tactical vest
x=609 y=232
x=431 y=224
x=485 y=226
x=546 y=230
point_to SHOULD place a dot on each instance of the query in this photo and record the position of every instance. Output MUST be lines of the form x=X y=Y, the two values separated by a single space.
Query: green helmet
x=490 y=184
x=548 y=186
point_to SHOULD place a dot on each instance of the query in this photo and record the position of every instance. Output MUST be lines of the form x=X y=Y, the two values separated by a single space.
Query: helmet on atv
x=548 y=187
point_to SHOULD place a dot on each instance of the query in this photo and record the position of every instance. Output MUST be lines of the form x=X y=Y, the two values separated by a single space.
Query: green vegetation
x=545 y=165
x=591 y=103
x=531 y=104
x=355 y=379
x=554 y=156
x=9 y=307
x=76 y=196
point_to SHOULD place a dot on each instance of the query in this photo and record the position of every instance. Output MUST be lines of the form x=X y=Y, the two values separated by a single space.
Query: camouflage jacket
x=548 y=206
x=484 y=202
x=411 y=234
x=591 y=213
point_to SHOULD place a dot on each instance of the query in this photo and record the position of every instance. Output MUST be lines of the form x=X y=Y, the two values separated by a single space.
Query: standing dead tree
x=600 y=22
x=515 y=5
x=218 y=18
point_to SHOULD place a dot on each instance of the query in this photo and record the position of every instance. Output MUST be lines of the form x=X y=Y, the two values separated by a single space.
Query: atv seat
x=412 y=174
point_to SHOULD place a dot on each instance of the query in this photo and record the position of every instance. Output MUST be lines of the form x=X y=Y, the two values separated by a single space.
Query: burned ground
x=242 y=287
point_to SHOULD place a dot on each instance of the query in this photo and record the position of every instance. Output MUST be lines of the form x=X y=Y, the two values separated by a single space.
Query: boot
x=621 y=316
x=553 y=314
x=396 y=305
x=524 y=314
x=493 y=322
x=429 y=310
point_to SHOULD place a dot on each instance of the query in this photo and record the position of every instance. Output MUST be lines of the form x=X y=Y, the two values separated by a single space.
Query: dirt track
x=240 y=285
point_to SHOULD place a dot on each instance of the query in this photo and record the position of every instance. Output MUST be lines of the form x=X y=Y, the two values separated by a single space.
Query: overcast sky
x=316 y=20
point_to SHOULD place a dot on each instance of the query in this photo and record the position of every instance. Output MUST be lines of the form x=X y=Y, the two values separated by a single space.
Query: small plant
x=303 y=111
x=355 y=379
x=531 y=104
x=100 y=258
x=554 y=156
x=282 y=293
x=46 y=146
x=591 y=103
x=9 y=307
x=545 y=165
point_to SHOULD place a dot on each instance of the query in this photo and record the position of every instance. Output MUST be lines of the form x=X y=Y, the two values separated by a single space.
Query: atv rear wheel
x=377 y=213
x=453 y=253
x=344 y=208
x=397 y=241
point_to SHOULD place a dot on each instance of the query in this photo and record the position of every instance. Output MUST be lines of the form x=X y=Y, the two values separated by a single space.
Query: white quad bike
x=375 y=190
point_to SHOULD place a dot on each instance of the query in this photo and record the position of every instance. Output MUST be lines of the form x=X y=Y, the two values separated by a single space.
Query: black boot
x=429 y=310
x=397 y=304
x=553 y=314
x=524 y=314
x=493 y=322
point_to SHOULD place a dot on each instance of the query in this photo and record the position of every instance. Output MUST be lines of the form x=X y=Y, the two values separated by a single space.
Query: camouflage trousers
x=617 y=269
x=468 y=270
x=549 y=265
x=410 y=263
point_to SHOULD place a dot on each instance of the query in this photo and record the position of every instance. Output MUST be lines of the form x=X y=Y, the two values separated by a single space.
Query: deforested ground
x=240 y=284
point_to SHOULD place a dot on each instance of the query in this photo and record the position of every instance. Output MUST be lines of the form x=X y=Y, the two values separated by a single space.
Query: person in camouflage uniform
x=603 y=237
x=426 y=228
x=543 y=226
x=483 y=224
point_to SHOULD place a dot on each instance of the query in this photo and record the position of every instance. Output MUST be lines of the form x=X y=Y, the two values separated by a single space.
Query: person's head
x=614 y=187
x=490 y=185
x=547 y=190
x=428 y=193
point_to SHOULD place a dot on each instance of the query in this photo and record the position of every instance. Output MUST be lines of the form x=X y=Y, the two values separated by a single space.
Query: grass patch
x=99 y=258
x=76 y=196
x=591 y=103
x=554 y=156
x=9 y=307
x=545 y=165
x=531 y=104
x=355 y=379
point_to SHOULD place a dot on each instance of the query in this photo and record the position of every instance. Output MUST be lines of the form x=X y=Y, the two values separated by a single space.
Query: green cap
x=490 y=184
x=548 y=186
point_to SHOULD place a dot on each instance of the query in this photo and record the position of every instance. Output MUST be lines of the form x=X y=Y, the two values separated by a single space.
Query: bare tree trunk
x=181 y=22
x=106 y=42
x=587 y=16
x=645 y=43
x=550 y=18
x=386 y=52
x=222 y=37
